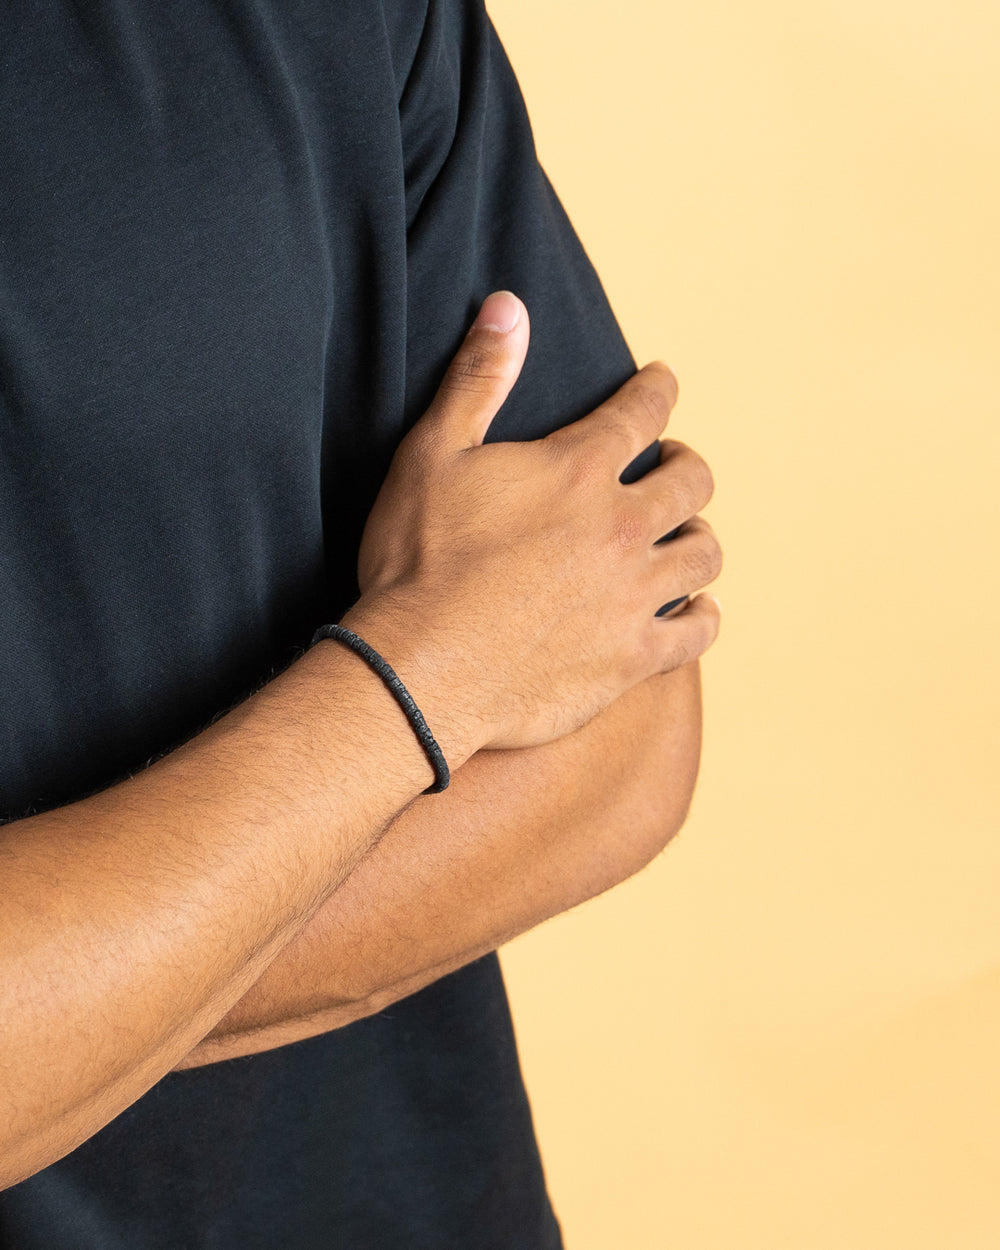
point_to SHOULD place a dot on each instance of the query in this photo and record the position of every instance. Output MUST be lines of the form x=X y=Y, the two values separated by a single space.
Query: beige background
x=785 y=1032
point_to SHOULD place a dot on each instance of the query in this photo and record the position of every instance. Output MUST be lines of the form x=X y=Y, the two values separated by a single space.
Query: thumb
x=483 y=371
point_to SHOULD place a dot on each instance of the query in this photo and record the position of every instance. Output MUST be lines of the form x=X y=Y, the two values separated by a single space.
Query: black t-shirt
x=239 y=243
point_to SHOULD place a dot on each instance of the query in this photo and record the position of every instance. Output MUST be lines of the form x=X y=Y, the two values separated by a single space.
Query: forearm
x=520 y=836
x=133 y=920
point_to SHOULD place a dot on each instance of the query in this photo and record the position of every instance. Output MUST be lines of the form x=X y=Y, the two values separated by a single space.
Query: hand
x=532 y=572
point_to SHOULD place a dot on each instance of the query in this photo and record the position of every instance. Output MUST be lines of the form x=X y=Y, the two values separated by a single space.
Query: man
x=241 y=243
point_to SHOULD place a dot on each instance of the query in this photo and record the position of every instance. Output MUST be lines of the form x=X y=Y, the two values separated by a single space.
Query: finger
x=688 y=562
x=482 y=372
x=689 y=634
x=635 y=416
x=677 y=605
x=677 y=488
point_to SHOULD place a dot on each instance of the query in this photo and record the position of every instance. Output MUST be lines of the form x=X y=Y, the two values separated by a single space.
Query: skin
x=518 y=837
x=135 y=920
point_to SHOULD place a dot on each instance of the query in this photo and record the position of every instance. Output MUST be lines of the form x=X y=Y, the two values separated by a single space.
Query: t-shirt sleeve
x=482 y=215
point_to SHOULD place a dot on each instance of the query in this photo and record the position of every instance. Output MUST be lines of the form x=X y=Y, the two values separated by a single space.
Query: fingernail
x=500 y=311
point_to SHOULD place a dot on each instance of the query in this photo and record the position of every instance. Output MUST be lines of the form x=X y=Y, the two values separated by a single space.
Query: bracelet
x=403 y=697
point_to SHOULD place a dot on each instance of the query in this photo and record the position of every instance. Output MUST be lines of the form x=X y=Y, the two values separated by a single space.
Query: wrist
x=431 y=665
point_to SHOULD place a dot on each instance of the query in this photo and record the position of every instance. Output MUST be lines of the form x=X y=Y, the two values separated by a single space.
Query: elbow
x=676 y=807
x=22 y=1153
x=634 y=830
x=21 y=1158
x=672 y=824
x=29 y=1143
x=662 y=786
x=650 y=832
x=652 y=806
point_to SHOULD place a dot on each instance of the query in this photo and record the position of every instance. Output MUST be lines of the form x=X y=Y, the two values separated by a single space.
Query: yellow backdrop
x=786 y=1031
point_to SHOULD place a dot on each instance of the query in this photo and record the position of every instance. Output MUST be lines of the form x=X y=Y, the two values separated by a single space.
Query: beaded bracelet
x=403 y=698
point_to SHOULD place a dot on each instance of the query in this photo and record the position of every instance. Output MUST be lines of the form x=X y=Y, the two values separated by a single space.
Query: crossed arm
x=518 y=837
x=257 y=842
x=153 y=946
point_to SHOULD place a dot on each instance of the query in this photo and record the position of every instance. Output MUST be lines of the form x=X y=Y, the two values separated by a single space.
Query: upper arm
x=482 y=215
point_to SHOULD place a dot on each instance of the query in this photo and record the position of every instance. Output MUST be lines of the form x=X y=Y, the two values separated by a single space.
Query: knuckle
x=717 y=559
x=665 y=377
x=628 y=531
x=587 y=466
x=652 y=403
x=477 y=368
x=710 y=545
x=705 y=481
x=675 y=497
x=697 y=563
x=697 y=475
